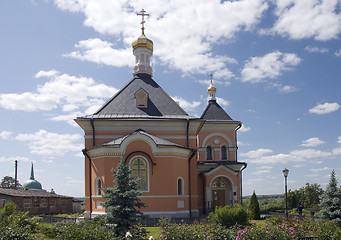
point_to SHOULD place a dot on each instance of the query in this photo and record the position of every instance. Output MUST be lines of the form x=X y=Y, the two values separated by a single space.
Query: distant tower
x=211 y=90
x=142 y=50
x=32 y=184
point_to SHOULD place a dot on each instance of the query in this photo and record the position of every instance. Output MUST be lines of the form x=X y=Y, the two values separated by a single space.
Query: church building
x=186 y=165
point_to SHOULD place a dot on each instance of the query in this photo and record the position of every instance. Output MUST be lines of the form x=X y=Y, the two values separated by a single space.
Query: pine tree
x=254 y=207
x=123 y=200
x=330 y=201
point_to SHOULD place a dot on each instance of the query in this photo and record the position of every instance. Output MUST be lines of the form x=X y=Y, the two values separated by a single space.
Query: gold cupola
x=142 y=50
x=211 y=90
x=143 y=42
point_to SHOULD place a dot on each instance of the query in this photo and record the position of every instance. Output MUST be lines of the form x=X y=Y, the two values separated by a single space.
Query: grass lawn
x=153 y=231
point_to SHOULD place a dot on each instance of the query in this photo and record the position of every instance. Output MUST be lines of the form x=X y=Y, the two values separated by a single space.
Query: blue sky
x=276 y=67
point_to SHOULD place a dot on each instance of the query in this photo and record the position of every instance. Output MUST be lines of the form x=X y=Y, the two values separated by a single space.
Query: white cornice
x=221 y=167
x=164 y=125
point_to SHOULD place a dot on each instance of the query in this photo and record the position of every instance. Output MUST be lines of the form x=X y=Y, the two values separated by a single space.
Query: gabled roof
x=29 y=193
x=123 y=103
x=214 y=112
x=157 y=140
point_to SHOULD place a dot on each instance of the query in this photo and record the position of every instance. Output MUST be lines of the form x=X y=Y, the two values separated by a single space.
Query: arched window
x=139 y=167
x=209 y=153
x=223 y=153
x=98 y=186
x=180 y=186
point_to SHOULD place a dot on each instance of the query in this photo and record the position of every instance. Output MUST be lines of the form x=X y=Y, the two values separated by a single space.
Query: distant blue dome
x=32 y=184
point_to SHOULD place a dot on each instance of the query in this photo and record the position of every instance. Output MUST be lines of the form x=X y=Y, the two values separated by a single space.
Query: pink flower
x=267 y=232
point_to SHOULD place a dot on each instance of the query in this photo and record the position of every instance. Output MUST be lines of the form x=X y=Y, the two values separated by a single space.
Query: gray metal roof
x=158 y=141
x=214 y=112
x=29 y=193
x=123 y=104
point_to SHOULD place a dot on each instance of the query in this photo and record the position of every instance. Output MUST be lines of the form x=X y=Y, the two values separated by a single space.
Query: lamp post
x=285 y=173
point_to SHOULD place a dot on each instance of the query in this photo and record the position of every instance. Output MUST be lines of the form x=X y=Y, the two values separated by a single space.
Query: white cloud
x=316 y=49
x=12 y=159
x=310 y=153
x=101 y=52
x=312 y=142
x=319 y=19
x=256 y=153
x=180 y=30
x=6 y=135
x=260 y=156
x=338 y=53
x=337 y=151
x=320 y=169
x=287 y=89
x=275 y=159
x=325 y=108
x=339 y=140
x=270 y=66
x=52 y=145
x=244 y=128
x=187 y=106
x=222 y=102
x=69 y=93
x=258 y=172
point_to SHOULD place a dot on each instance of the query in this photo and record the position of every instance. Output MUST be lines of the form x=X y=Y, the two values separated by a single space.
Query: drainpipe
x=189 y=171
x=241 y=175
x=235 y=138
x=16 y=175
x=90 y=189
x=93 y=131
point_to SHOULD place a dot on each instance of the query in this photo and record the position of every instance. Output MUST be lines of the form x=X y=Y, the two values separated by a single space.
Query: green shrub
x=229 y=216
x=48 y=230
x=183 y=231
x=266 y=232
x=9 y=233
x=320 y=229
x=87 y=229
x=16 y=225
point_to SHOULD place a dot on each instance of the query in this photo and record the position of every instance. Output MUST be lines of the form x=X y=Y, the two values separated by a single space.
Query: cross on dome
x=143 y=13
x=211 y=90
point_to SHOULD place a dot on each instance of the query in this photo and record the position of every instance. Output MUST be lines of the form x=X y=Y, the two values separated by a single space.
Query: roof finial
x=143 y=13
x=211 y=90
x=32 y=172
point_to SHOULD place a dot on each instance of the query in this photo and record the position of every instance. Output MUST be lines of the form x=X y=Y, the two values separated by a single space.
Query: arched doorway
x=222 y=193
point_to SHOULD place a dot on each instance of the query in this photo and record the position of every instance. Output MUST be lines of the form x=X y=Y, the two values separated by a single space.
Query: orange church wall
x=162 y=195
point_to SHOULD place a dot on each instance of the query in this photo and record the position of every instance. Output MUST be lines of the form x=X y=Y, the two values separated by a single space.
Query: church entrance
x=221 y=192
x=218 y=198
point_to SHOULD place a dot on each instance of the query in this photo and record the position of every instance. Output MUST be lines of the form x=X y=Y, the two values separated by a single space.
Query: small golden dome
x=211 y=88
x=143 y=41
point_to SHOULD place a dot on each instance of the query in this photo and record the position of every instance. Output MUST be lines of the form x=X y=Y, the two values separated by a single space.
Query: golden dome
x=211 y=88
x=143 y=41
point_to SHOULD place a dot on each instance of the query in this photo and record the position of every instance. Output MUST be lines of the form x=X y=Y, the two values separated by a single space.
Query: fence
x=55 y=219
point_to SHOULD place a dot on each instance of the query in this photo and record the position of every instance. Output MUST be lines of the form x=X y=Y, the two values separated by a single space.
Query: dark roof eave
x=223 y=121
x=138 y=118
x=221 y=163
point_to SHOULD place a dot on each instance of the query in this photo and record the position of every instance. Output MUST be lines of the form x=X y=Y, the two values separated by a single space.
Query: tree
x=123 y=200
x=9 y=182
x=330 y=201
x=309 y=195
x=254 y=207
x=292 y=199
